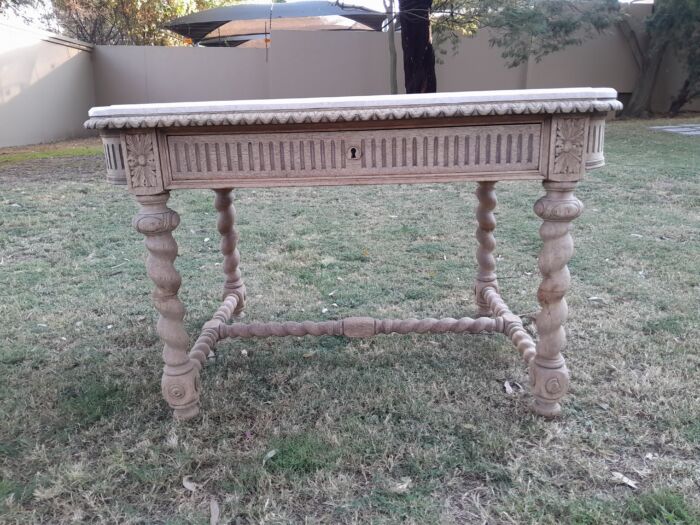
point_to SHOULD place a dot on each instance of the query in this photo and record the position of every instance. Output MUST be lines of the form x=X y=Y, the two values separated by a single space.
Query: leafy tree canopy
x=135 y=22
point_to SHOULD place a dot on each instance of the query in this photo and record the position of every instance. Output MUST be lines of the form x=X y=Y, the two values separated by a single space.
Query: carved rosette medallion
x=569 y=146
x=142 y=161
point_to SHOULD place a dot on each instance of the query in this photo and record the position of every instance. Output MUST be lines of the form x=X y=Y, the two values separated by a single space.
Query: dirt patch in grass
x=411 y=429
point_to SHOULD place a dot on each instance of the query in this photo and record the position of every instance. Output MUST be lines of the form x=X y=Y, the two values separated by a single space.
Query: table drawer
x=360 y=157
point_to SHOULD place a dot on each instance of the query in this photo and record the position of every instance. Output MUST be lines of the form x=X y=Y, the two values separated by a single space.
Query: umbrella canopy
x=232 y=25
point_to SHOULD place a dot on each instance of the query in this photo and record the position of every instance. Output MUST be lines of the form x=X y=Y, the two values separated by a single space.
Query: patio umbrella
x=236 y=24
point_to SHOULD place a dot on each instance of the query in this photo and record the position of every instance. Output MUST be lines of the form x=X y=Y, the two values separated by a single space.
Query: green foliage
x=676 y=24
x=536 y=29
x=524 y=28
x=300 y=454
x=128 y=22
x=663 y=507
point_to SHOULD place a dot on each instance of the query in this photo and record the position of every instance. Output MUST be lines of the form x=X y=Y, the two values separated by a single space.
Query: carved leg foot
x=229 y=247
x=180 y=382
x=549 y=377
x=486 y=220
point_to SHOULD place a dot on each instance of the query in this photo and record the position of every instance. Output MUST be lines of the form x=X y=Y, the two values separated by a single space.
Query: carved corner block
x=595 y=157
x=181 y=387
x=567 y=154
x=115 y=160
x=549 y=382
x=143 y=171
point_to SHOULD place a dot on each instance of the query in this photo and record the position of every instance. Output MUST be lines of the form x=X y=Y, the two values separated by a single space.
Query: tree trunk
x=640 y=103
x=391 y=32
x=418 y=53
x=681 y=99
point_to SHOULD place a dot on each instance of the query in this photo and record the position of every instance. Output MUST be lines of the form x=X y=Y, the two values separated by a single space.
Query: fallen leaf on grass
x=624 y=480
x=214 y=512
x=402 y=487
x=307 y=355
x=189 y=484
x=269 y=456
x=510 y=387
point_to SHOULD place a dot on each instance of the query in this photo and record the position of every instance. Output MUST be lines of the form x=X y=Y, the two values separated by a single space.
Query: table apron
x=376 y=156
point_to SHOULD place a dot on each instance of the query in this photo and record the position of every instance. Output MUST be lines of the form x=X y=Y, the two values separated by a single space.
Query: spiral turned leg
x=549 y=377
x=229 y=247
x=180 y=383
x=486 y=276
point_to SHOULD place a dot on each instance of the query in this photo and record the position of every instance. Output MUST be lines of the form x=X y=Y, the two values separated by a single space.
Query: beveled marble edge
x=338 y=109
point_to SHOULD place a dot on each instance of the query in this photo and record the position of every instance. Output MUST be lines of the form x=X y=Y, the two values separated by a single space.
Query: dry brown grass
x=413 y=429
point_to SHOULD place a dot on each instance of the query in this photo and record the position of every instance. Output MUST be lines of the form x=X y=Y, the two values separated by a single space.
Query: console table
x=552 y=135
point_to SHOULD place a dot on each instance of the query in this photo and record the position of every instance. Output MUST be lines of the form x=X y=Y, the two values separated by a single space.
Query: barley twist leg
x=486 y=276
x=229 y=247
x=180 y=383
x=549 y=377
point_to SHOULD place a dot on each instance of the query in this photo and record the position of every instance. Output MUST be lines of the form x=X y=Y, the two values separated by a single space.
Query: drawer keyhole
x=353 y=153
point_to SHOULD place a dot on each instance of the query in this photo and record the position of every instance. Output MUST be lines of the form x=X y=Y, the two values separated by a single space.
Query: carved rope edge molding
x=350 y=115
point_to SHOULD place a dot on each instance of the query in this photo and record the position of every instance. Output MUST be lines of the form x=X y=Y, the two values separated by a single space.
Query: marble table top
x=337 y=109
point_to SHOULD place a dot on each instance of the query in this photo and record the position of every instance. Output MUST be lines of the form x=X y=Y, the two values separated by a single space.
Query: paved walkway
x=687 y=129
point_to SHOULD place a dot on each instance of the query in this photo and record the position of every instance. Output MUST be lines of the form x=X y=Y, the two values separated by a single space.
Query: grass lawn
x=395 y=429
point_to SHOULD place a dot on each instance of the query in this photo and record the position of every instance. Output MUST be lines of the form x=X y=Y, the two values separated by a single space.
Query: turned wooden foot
x=229 y=248
x=486 y=223
x=549 y=377
x=180 y=384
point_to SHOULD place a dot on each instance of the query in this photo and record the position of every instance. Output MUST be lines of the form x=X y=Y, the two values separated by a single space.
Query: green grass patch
x=394 y=429
x=663 y=507
x=87 y=402
x=300 y=454
x=7 y=159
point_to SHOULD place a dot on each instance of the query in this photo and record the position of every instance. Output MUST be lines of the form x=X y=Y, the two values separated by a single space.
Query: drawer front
x=360 y=157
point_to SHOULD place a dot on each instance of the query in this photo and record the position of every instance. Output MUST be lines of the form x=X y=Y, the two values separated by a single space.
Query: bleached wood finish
x=549 y=135
x=362 y=327
x=180 y=382
x=115 y=160
x=512 y=325
x=549 y=377
x=229 y=247
x=210 y=331
x=486 y=224
x=303 y=157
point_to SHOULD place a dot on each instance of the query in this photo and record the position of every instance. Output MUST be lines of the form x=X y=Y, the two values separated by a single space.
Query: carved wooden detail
x=114 y=158
x=210 y=332
x=362 y=327
x=180 y=382
x=371 y=114
x=143 y=164
x=486 y=223
x=256 y=158
x=595 y=144
x=229 y=247
x=485 y=138
x=549 y=377
x=512 y=325
x=568 y=148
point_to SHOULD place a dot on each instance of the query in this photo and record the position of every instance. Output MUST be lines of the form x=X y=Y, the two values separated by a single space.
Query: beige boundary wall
x=302 y=64
x=47 y=84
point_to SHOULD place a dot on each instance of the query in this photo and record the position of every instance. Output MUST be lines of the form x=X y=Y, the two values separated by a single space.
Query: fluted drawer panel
x=371 y=153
